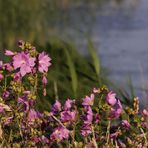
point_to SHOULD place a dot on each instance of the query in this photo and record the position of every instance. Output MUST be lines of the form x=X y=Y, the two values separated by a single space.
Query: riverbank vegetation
x=98 y=119
x=53 y=96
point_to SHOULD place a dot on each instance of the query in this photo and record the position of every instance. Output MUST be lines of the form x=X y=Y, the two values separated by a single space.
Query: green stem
x=5 y=83
x=10 y=138
x=21 y=134
x=108 y=132
x=100 y=102
x=94 y=138
x=56 y=90
x=144 y=135
x=36 y=83
x=55 y=118
x=73 y=135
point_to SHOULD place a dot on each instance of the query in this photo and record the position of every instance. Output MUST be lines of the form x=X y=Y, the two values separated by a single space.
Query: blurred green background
x=34 y=20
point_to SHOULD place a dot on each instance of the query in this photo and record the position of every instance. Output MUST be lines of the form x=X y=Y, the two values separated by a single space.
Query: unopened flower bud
x=9 y=53
x=1 y=76
x=44 y=80
x=145 y=112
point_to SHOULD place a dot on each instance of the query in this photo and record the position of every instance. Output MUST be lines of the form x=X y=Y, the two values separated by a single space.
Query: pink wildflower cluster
x=97 y=120
x=25 y=63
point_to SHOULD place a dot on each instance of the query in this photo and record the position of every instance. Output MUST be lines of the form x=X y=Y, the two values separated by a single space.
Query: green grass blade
x=73 y=73
x=95 y=58
x=131 y=87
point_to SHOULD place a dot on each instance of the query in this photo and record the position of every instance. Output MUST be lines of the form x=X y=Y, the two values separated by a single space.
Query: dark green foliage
x=34 y=20
x=21 y=20
x=72 y=74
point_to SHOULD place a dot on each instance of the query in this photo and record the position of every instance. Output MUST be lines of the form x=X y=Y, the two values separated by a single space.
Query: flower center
x=22 y=62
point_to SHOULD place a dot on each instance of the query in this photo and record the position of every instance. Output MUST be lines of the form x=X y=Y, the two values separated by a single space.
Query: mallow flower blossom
x=68 y=104
x=88 y=101
x=116 y=110
x=1 y=109
x=23 y=102
x=111 y=98
x=125 y=124
x=145 y=112
x=56 y=107
x=86 y=130
x=88 y=117
x=24 y=62
x=59 y=134
x=43 y=62
x=97 y=118
x=68 y=116
x=87 y=122
x=33 y=115
x=17 y=76
x=5 y=94
x=8 y=66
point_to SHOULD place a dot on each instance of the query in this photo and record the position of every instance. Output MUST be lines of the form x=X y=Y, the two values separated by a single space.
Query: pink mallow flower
x=111 y=98
x=59 y=134
x=145 y=112
x=23 y=102
x=95 y=90
x=88 y=117
x=44 y=62
x=8 y=66
x=121 y=144
x=56 y=107
x=125 y=124
x=42 y=139
x=68 y=104
x=33 y=115
x=144 y=124
x=116 y=110
x=1 y=109
x=114 y=135
x=88 y=101
x=86 y=130
x=24 y=62
x=68 y=116
x=17 y=76
x=5 y=94
x=97 y=118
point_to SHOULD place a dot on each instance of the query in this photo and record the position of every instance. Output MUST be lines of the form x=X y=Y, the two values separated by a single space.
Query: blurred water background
x=118 y=29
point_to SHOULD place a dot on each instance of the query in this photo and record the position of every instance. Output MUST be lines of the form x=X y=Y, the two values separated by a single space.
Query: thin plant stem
x=56 y=90
x=55 y=118
x=108 y=132
x=94 y=138
x=10 y=136
x=36 y=84
x=144 y=135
